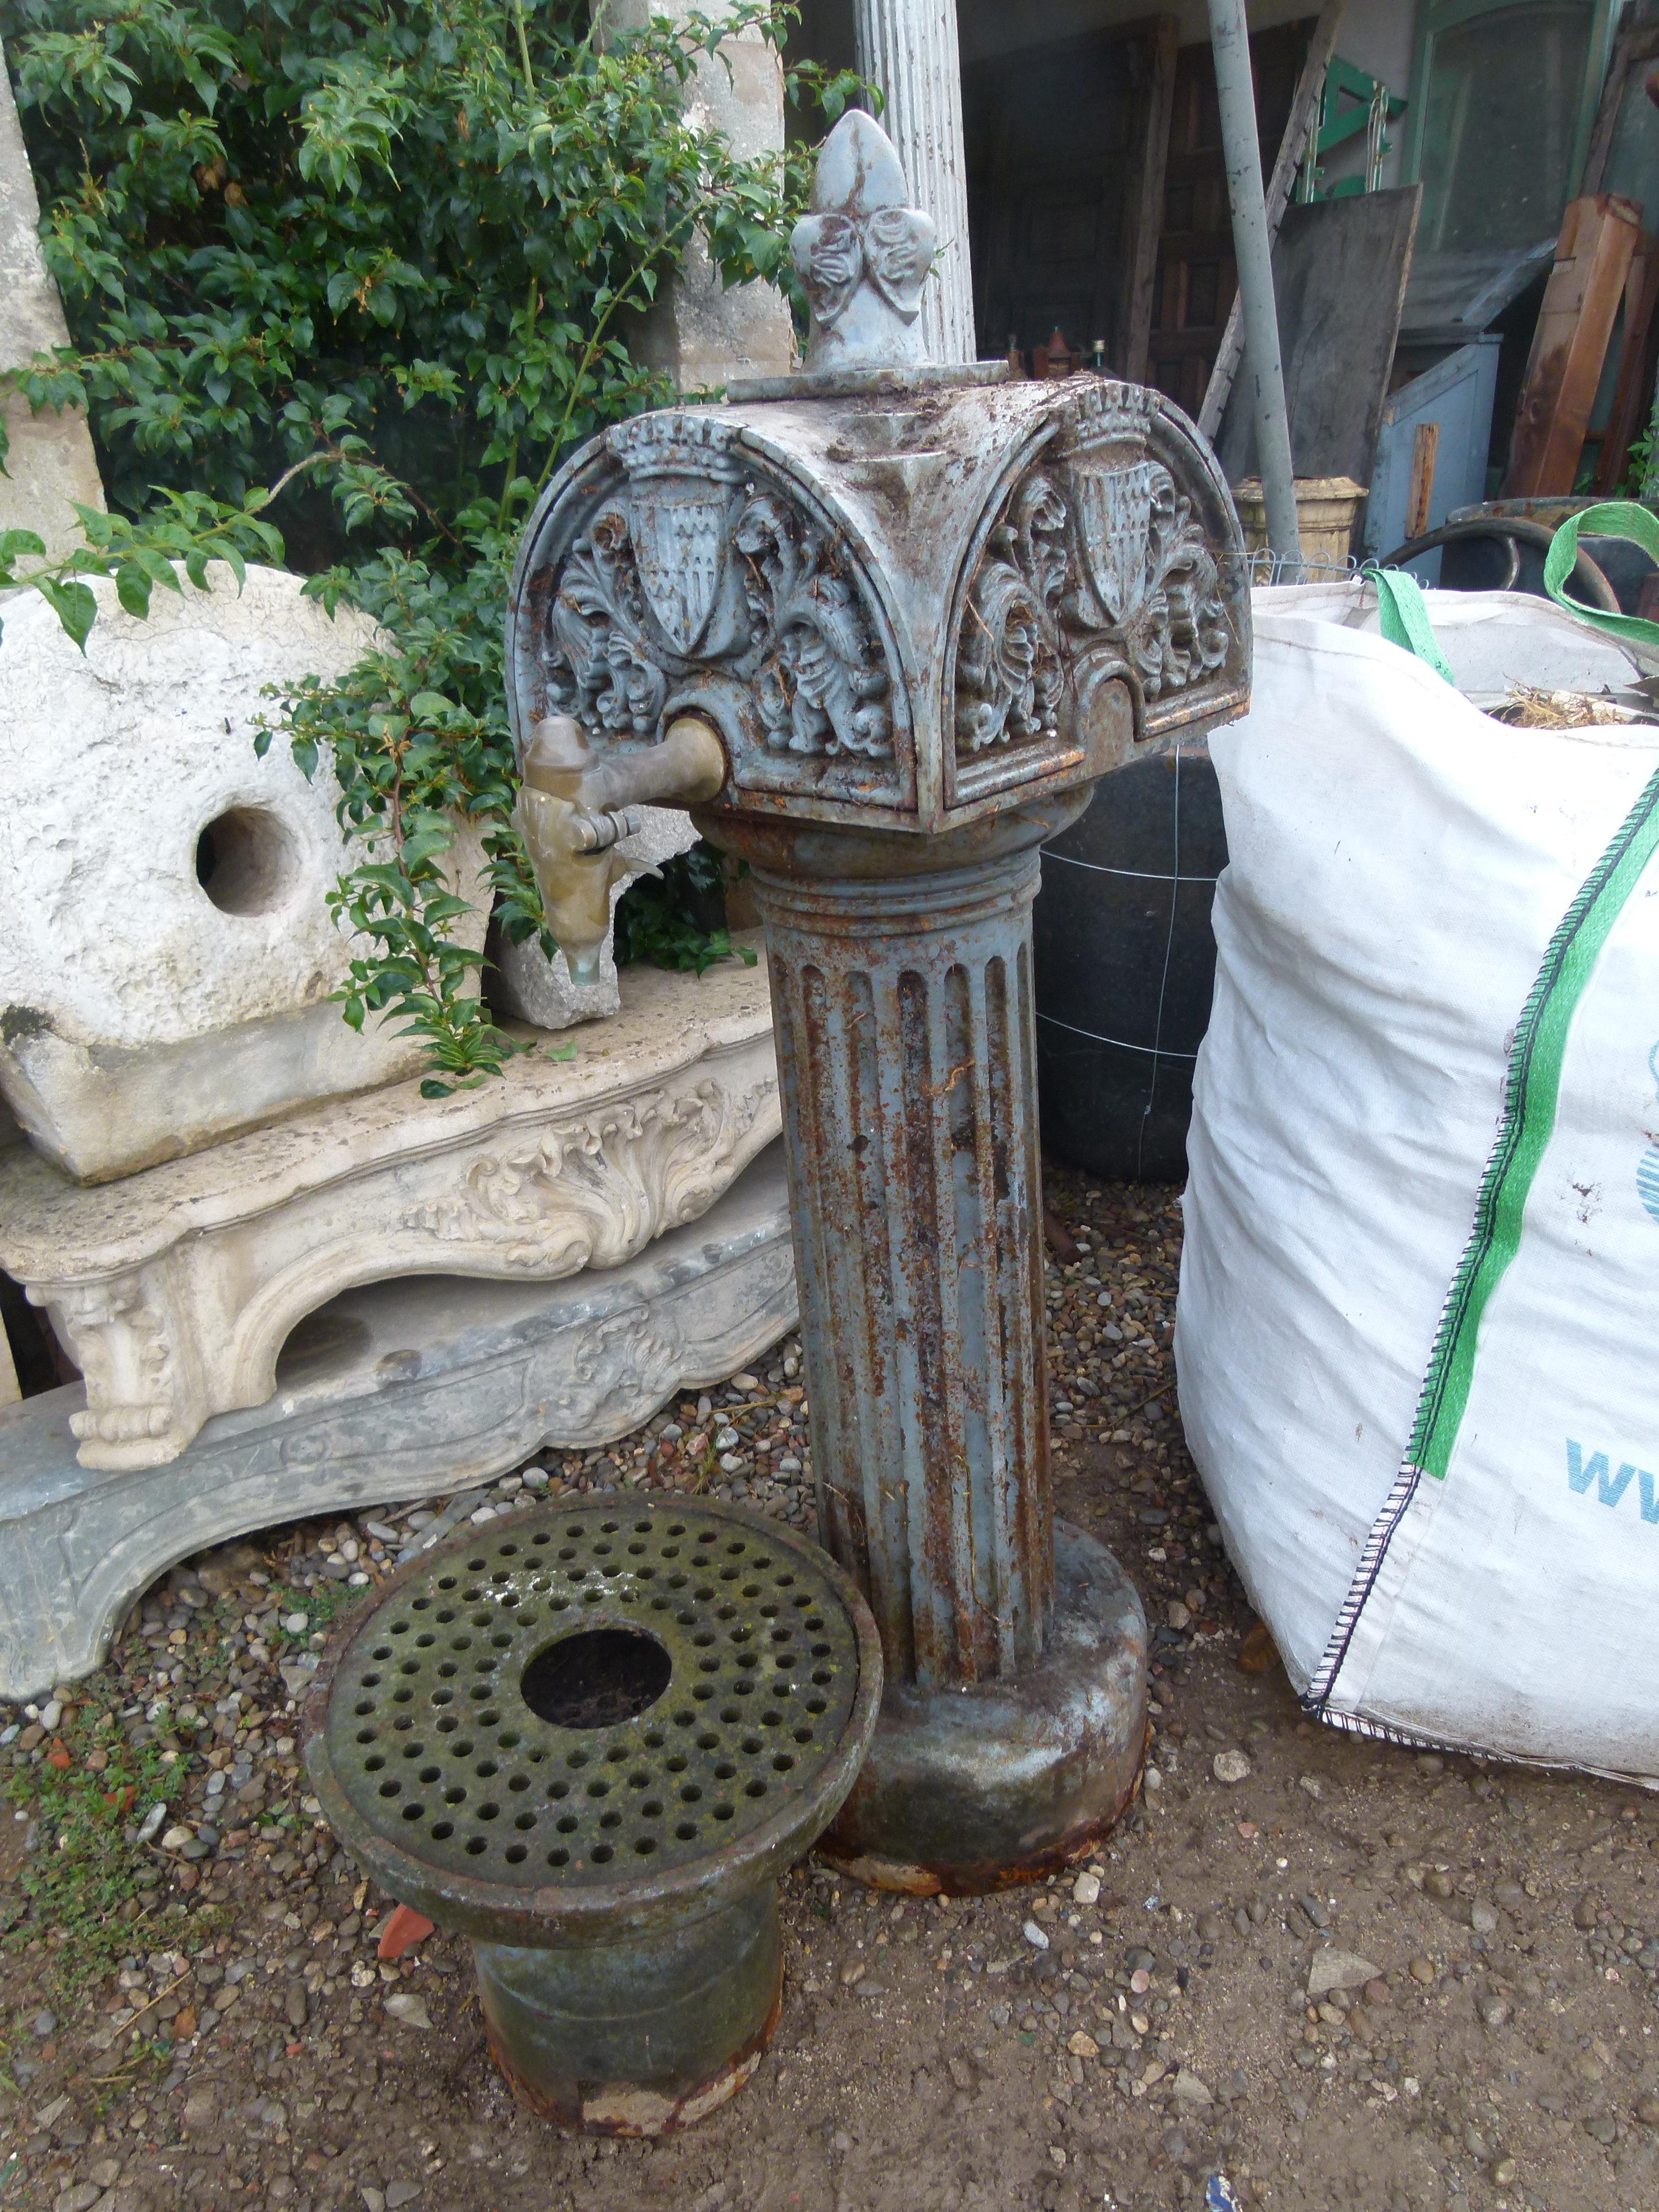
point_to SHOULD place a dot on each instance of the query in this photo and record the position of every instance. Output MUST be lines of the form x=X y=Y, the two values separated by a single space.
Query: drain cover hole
x=597 y=1679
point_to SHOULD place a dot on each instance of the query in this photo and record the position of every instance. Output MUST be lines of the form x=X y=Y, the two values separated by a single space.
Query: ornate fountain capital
x=901 y=612
x=863 y=253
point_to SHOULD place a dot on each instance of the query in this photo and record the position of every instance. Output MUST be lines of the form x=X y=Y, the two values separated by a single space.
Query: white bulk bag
x=1419 y=1319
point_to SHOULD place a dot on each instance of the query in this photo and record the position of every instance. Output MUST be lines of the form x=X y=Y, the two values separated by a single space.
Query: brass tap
x=576 y=806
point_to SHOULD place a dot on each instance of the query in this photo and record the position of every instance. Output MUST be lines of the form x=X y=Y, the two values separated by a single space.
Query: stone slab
x=397 y=1391
x=174 y=1289
x=166 y=952
x=51 y=465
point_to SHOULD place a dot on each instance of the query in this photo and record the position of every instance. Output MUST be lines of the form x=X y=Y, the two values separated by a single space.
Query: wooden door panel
x=1197 y=275
x=1065 y=144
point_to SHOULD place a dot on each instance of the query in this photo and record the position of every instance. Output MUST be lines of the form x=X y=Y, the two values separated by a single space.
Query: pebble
x=1190 y=2089
x=404 y=2006
x=399 y=2193
x=1231 y=1766
x=79 y=2196
x=1085 y=1890
x=1338 y=1970
x=1035 y=1936
x=1483 y=1920
x=1082 y=2045
x=1421 y=1970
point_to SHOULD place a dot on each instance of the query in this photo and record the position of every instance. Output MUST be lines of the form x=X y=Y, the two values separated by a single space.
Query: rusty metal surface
x=569 y=1848
x=904 y=1023
x=638 y=2039
x=980 y=1787
x=630 y=2108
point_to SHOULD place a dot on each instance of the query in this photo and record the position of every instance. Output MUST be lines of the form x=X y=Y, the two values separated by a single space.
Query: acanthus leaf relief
x=1009 y=671
x=1097 y=547
x=1144 y=573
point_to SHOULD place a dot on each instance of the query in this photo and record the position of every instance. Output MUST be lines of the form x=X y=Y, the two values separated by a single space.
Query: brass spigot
x=576 y=806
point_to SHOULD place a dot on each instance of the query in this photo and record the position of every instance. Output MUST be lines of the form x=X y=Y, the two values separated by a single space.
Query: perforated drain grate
x=593 y=1693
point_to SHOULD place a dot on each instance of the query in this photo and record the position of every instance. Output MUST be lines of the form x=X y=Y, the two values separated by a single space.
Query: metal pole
x=1252 y=249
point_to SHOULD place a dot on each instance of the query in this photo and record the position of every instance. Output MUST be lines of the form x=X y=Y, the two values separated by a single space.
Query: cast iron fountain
x=889 y=623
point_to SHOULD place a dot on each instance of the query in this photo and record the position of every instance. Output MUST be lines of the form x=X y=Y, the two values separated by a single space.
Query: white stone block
x=167 y=953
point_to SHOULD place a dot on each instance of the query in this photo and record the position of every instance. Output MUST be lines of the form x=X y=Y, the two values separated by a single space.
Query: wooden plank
x=1419 y=496
x=1145 y=212
x=1340 y=272
x=1638 y=363
x=1305 y=117
x=1593 y=255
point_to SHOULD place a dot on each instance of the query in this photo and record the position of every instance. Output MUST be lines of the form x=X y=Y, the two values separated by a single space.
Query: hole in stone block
x=248 y=861
x=597 y=1679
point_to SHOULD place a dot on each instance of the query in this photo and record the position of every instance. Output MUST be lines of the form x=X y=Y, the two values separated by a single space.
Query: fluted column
x=905 y=1049
x=908 y=48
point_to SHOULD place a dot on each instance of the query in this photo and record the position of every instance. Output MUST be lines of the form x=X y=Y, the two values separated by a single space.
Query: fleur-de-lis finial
x=863 y=253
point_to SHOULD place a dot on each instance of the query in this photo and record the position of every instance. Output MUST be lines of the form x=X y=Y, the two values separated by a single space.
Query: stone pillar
x=700 y=332
x=908 y=48
x=51 y=461
x=903 y=1012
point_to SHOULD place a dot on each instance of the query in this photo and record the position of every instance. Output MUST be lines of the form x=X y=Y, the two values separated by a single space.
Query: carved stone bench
x=175 y=1288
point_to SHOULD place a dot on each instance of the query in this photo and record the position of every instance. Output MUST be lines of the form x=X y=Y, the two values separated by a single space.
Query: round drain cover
x=592 y=1705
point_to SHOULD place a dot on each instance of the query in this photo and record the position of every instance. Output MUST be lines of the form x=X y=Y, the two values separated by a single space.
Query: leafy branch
x=344 y=287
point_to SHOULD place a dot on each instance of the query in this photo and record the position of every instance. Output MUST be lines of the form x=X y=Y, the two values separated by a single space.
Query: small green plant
x=676 y=918
x=345 y=284
x=83 y=1870
x=321 y=1608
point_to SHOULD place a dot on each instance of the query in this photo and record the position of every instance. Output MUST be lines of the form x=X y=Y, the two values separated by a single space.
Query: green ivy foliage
x=344 y=284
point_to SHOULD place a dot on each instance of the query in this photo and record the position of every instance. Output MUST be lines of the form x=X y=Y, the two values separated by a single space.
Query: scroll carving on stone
x=121 y=1343
x=625 y=1365
x=691 y=565
x=594 y=1195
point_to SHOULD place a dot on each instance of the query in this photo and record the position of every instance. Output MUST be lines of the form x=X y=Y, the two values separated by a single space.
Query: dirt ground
x=192 y=2010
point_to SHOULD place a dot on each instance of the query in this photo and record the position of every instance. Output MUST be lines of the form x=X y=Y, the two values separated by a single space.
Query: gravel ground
x=1343 y=1975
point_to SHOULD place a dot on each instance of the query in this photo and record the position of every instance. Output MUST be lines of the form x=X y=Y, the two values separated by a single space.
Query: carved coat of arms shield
x=679 y=540
x=1114 y=506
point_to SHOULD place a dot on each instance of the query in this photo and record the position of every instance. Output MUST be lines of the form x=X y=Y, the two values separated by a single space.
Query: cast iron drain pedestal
x=591 y=1741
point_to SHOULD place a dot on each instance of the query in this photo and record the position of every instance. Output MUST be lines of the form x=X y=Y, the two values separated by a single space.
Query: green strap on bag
x=1616 y=517
x=1404 y=618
